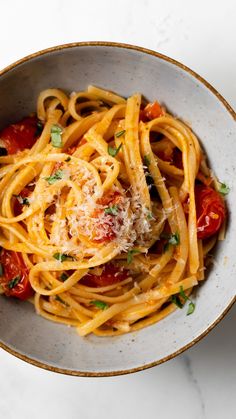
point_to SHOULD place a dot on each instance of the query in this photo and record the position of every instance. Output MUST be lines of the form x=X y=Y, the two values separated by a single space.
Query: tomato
x=18 y=207
x=210 y=210
x=15 y=268
x=23 y=134
x=151 y=111
x=106 y=227
x=109 y=276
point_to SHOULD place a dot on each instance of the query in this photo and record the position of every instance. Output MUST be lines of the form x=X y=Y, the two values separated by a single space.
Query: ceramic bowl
x=124 y=69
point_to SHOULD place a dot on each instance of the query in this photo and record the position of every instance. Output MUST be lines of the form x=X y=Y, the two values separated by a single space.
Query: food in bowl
x=108 y=211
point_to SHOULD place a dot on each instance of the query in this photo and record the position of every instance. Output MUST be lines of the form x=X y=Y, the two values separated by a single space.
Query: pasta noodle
x=108 y=229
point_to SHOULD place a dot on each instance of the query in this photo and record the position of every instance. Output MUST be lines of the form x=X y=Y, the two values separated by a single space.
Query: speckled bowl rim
x=232 y=113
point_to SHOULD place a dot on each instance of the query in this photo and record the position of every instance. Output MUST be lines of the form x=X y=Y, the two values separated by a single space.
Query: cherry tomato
x=109 y=276
x=23 y=134
x=210 y=210
x=15 y=280
x=106 y=228
x=151 y=111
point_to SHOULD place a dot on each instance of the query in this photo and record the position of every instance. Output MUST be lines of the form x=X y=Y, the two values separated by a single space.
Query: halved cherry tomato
x=109 y=276
x=106 y=228
x=15 y=280
x=210 y=210
x=151 y=111
x=23 y=134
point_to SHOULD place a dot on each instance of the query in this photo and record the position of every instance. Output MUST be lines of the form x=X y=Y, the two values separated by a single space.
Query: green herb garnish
x=56 y=139
x=1 y=270
x=14 y=281
x=191 y=308
x=150 y=215
x=130 y=255
x=22 y=200
x=55 y=177
x=58 y=298
x=174 y=239
x=100 y=304
x=176 y=300
x=113 y=151
x=64 y=276
x=146 y=160
x=62 y=257
x=68 y=159
x=224 y=189
x=113 y=210
x=182 y=293
x=120 y=133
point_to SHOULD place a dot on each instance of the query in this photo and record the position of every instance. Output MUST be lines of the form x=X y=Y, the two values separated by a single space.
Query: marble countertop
x=201 y=383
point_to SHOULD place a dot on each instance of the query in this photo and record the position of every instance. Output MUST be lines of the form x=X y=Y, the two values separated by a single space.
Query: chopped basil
x=176 y=300
x=14 y=281
x=64 y=276
x=113 y=151
x=113 y=210
x=68 y=159
x=56 y=176
x=39 y=128
x=22 y=200
x=191 y=308
x=224 y=189
x=62 y=257
x=56 y=139
x=120 y=133
x=100 y=304
x=58 y=298
x=3 y=151
x=1 y=270
x=150 y=215
x=146 y=160
x=130 y=255
x=174 y=239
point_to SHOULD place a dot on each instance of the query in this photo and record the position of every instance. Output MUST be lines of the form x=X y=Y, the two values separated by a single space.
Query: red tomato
x=23 y=134
x=15 y=268
x=109 y=276
x=151 y=111
x=106 y=231
x=210 y=210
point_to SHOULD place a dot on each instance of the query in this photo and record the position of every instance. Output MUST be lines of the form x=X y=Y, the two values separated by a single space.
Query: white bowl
x=124 y=69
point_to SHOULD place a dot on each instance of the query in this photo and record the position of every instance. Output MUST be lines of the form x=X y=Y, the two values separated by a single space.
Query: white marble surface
x=200 y=384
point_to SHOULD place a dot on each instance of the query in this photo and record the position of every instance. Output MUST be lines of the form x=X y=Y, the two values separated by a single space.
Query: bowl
x=124 y=69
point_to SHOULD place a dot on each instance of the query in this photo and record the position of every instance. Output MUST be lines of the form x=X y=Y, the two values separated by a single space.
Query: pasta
x=101 y=212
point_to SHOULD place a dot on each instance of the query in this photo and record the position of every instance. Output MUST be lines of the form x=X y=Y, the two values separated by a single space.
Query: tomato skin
x=110 y=275
x=13 y=266
x=16 y=137
x=151 y=111
x=210 y=209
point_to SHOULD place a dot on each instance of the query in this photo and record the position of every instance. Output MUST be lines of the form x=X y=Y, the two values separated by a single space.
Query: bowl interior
x=124 y=71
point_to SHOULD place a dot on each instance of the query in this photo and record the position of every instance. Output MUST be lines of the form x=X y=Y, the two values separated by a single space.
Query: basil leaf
x=58 y=298
x=64 y=276
x=57 y=176
x=100 y=304
x=39 y=129
x=1 y=269
x=120 y=133
x=22 y=200
x=146 y=160
x=68 y=159
x=62 y=257
x=113 y=210
x=176 y=300
x=112 y=151
x=150 y=216
x=191 y=308
x=130 y=255
x=56 y=139
x=14 y=281
x=182 y=294
x=174 y=239
x=224 y=189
